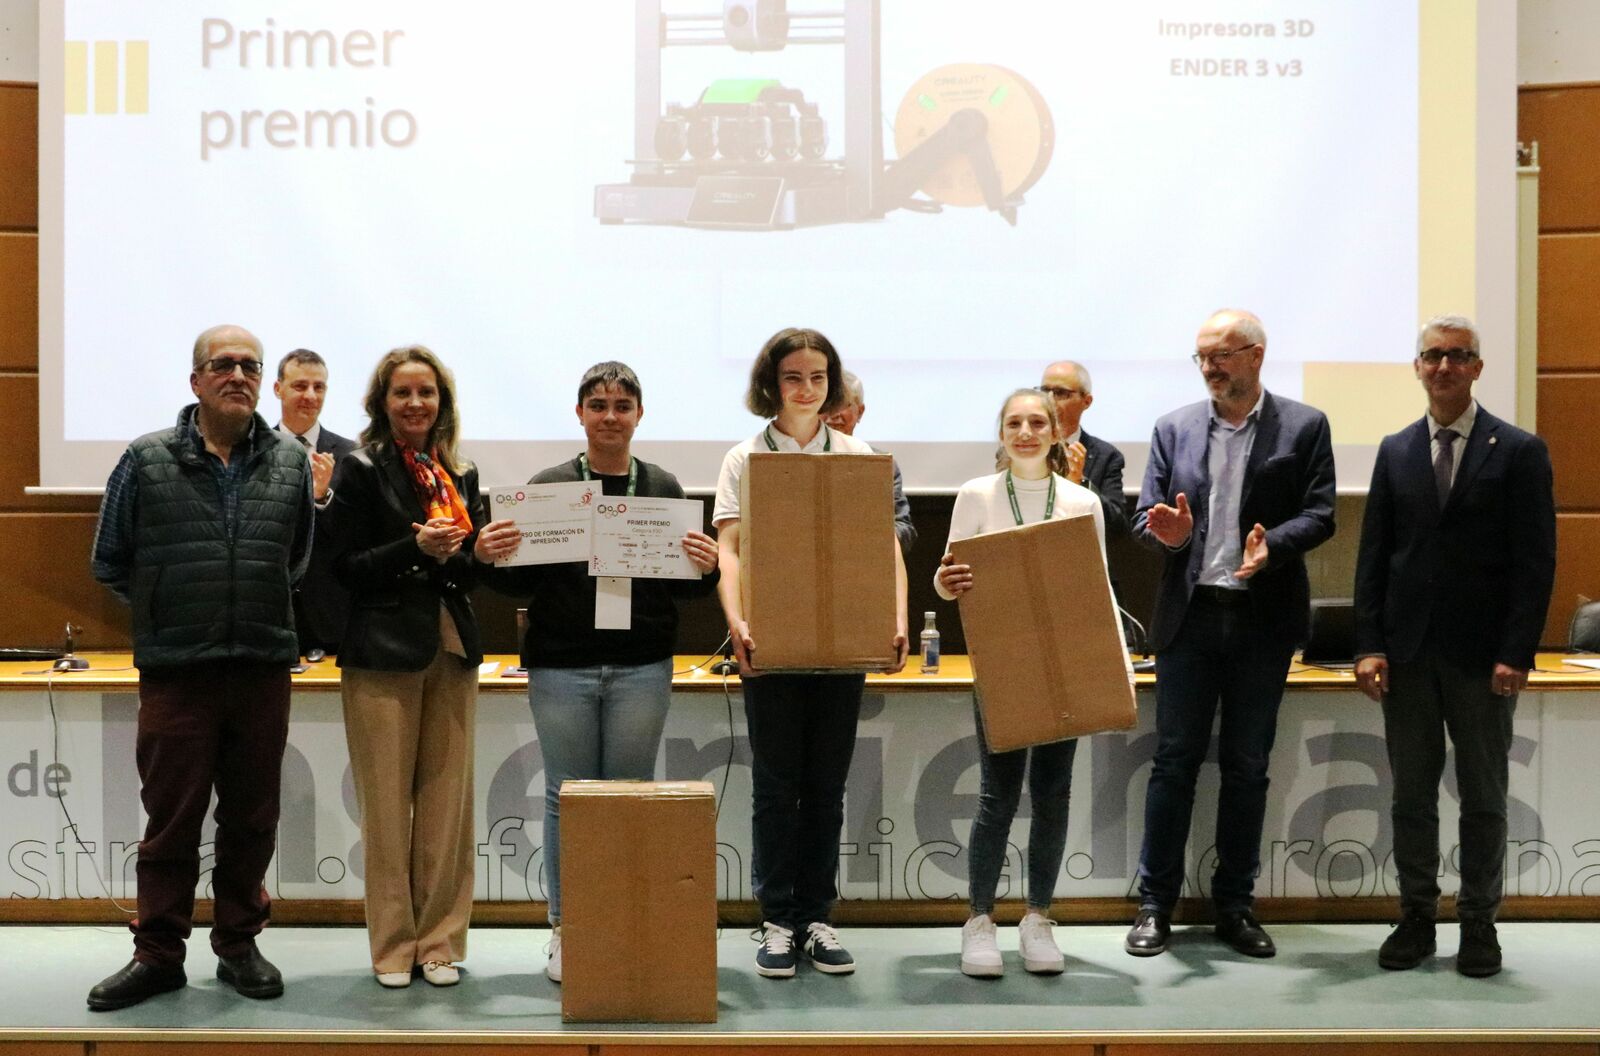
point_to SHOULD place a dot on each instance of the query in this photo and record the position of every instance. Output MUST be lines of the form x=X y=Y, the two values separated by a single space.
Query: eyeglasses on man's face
x=226 y=365
x=1061 y=392
x=1220 y=356
x=1458 y=357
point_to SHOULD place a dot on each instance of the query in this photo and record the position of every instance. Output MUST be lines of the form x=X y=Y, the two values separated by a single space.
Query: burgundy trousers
x=218 y=724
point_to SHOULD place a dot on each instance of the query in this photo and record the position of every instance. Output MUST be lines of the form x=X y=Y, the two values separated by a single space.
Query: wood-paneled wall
x=1565 y=121
x=43 y=566
x=44 y=562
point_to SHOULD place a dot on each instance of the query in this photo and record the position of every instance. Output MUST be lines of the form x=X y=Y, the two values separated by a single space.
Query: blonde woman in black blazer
x=407 y=525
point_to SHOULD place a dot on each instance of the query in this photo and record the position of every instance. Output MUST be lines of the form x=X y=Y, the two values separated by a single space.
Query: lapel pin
x=1492 y=439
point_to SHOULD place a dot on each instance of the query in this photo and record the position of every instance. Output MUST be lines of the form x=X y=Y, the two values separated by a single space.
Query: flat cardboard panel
x=1047 y=658
x=1566 y=124
x=1569 y=309
x=638 y=861
x=816 y=556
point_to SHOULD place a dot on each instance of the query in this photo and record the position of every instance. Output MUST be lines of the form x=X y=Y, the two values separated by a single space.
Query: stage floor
x=1324 y=982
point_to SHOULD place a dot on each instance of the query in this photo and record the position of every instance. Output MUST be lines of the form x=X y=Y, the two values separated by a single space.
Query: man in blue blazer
x=1457 y=561
x=1238 y=488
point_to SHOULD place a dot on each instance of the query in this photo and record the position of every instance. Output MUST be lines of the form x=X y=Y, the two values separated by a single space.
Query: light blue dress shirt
x=1227 y=454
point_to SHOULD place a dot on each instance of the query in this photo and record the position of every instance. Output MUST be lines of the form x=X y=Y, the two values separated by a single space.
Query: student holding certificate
x=1025 y=491
x=599 y=650
x=802 y=726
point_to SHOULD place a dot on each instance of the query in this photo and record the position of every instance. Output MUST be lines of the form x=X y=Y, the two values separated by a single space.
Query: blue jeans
x=1049 y=769
x=1219 y=656
x=802 y=732
x=594 y=723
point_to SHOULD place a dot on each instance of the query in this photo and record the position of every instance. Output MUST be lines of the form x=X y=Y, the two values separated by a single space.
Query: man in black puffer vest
x=204 y=529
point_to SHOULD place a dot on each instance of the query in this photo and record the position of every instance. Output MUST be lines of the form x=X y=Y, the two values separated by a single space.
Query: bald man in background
x=845 y=420
x=1081 y=458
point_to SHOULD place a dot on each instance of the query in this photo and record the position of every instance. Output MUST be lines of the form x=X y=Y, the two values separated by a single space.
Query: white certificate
x=554 y=520
x=642 y=538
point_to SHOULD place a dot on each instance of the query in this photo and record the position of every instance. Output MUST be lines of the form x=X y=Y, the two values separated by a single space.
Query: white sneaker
x=552 y=967
x=776 y=956
x=1040 y=954
x=827 y=953
x=394 y=980
x=441 y=973
x=980 y=953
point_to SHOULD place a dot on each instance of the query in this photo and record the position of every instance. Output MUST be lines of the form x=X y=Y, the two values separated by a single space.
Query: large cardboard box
x=816 y=560
x=639 y=902
x=1048 y=661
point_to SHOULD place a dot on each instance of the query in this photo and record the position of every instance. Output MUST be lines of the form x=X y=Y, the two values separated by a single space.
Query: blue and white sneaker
x=825 y=951
x=776 y=959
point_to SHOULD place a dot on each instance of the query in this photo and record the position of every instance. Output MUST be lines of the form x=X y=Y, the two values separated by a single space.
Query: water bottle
x=930 y=645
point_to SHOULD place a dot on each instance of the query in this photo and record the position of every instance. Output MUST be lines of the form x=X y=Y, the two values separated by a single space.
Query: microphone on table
x=1141 y=642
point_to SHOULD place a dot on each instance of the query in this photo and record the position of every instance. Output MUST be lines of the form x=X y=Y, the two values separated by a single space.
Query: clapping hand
x=1255 y=553
x=440 y=539
x=1077 y=455
x=321 y=474
x=1172 y=525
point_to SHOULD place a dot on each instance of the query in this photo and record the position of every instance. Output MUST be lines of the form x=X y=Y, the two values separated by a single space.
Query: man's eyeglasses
x=1214 y=358
x=1458 y=357
x=1061 y=392
x=226 y=365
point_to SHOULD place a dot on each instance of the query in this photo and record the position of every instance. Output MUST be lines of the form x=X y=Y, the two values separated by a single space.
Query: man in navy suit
x=320 y=603
x=1081 y=458
x=1238 y=488
x=1457 y=561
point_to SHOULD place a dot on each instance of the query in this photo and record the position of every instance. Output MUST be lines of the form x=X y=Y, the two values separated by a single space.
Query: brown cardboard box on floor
x=638 y=902
x=816 y=561
x=1048 y=661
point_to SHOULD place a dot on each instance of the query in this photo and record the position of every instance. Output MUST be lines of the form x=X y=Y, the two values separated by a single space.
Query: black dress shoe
x=135 y=982
x=1241 y=931
x=251 y=974
x=1479 y=955
x=1149 y=934
x=1407 y=945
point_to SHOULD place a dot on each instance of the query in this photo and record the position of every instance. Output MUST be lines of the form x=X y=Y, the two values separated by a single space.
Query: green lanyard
x=1049 y=498
x=827 y=439
x=633 y=472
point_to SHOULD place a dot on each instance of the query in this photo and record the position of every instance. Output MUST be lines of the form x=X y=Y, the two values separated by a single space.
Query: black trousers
x=802 y=731
x=1427 y=698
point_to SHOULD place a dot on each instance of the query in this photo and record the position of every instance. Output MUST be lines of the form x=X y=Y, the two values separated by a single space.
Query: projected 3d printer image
x=756 y=153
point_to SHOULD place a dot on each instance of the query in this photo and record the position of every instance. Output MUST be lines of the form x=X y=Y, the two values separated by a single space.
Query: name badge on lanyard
x=613 y=595
x=613 y=603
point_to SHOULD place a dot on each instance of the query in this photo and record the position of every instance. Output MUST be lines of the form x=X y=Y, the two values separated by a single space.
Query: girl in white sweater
x=1023 y=492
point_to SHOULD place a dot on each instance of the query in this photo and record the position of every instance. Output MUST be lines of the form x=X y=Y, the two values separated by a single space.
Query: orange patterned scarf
x=434 y=488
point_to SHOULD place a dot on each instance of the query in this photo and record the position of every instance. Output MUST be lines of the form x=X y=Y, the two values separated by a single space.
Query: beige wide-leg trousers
x=410 y=735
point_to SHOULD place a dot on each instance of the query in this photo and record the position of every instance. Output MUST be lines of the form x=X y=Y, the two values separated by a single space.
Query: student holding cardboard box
x=599 y=690
x=801 y=726
x=1025 y=491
